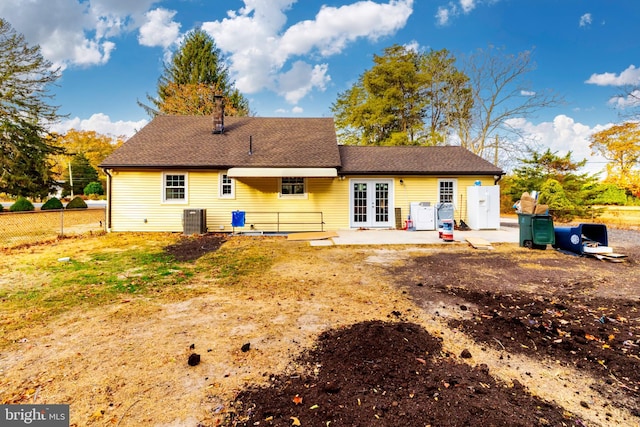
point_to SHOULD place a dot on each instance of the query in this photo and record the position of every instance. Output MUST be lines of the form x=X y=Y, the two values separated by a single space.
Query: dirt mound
x=388 y=374
x=190 y=248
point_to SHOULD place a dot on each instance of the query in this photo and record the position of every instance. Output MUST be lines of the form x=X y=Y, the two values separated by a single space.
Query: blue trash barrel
x=572 y=239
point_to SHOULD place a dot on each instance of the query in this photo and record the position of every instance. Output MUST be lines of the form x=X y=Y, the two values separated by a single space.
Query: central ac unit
x=194 y=221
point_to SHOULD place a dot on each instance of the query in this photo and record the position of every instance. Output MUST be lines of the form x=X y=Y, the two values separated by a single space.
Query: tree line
x=35 y=161
x=412 y=97
x=407 y=97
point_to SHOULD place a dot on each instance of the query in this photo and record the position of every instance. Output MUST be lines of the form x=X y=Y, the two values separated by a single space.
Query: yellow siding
x=425 y=189
x=136 y=201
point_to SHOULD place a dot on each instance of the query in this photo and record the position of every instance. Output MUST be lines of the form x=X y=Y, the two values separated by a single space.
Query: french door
x=371 y=203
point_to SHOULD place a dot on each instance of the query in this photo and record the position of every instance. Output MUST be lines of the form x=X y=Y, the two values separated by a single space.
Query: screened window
x=446 y=191
x=227 y=186
x=175 y=187
x=292 y=187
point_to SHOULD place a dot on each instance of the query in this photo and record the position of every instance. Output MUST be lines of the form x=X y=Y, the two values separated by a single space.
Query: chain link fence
x=18 y=228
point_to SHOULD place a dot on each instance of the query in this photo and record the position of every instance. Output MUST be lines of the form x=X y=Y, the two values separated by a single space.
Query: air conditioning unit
x=194 y=221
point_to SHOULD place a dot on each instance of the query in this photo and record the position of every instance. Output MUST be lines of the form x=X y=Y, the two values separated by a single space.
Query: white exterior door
x=371 y=203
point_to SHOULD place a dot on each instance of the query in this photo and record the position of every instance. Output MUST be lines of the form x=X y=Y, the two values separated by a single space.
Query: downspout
x=108 y=213
x=497 y=178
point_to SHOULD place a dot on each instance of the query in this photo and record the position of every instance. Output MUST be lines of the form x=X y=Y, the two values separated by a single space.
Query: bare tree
x=627 y=102
x=501 y=94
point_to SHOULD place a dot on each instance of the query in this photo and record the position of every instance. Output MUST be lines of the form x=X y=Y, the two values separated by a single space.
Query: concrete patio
x=507 y=233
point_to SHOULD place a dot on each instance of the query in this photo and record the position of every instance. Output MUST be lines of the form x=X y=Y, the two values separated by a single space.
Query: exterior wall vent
x=194 y=221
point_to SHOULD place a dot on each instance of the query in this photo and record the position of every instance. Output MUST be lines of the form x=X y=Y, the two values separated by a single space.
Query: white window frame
x=222 y=184
x=184 y=200
x=304 y=194
x=454 y=187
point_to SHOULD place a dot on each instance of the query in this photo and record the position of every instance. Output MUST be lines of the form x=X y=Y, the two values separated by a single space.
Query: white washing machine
x=423 y=216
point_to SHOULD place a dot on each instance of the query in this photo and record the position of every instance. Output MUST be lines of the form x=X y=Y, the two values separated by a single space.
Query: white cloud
x=412 y=46
x=297 y=110
x=527 y=93
x=73 y=32
x=102 y=124
x=632 y=100
x=442 y=17
x=334 y=27
x=562 y=135
x=630 y=76
x=296 y=83
x=159 y=29
x=467 y=5
x=259 y=47
x=585 y=20
x=452 y=9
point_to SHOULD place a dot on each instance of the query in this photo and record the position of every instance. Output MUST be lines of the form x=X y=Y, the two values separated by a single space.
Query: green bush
x=77 y=203
x=22 y=205
x=552 y=194
x=52 y=203
x=93 y=188
x=609 y=194
x=1 y=208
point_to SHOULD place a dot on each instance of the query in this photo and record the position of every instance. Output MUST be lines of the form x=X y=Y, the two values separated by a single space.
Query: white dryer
x=423 y=216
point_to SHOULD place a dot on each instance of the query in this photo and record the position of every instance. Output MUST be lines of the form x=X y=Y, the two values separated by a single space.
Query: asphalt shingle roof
x=440 y=160
x=188 y=141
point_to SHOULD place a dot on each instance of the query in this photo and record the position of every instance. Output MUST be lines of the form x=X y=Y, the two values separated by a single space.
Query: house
x=281 y=174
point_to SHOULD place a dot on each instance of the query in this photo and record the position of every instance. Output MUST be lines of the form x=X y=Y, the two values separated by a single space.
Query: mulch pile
x=598 y=336
x=190 y=248
x=389 y=374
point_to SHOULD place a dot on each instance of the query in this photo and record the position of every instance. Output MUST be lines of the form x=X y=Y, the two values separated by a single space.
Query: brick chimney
x=218 y=114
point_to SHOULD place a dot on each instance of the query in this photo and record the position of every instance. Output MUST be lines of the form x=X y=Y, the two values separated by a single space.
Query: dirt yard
x=441 y=335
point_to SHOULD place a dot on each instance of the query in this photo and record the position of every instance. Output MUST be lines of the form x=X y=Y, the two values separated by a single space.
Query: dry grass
x=133 y=350
x=123 y=360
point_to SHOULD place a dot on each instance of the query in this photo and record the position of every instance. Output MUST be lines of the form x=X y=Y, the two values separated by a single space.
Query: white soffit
x=282 y=172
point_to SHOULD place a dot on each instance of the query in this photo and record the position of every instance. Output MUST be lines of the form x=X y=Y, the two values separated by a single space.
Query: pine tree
x=406 y=98
x=196 y=72
x=25 y=143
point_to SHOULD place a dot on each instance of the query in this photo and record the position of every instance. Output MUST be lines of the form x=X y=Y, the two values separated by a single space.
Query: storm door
x=371 y=203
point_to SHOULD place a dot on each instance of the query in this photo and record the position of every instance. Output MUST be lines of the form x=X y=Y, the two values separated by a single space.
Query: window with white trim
x=174 y=187
x=446 y=190
x=227 y=188
x=294 y=187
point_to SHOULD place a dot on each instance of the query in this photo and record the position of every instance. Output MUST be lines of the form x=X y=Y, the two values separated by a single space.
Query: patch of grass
x=89 y=279
x=238 y=260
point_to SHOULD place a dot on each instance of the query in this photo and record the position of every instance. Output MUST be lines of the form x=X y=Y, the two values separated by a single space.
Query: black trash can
x=536 y=231
x=575 y=239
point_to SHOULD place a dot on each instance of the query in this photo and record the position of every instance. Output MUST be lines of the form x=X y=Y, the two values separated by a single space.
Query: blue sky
x=292 y=58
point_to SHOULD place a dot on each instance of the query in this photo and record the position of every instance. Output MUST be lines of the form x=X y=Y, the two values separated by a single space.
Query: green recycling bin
x=536 y=231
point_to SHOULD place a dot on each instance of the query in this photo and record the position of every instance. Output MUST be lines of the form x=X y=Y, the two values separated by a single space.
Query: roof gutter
x=262 y=172
x=108 y=212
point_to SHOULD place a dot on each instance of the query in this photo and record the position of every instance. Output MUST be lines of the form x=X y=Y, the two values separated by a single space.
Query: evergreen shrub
x=22 y=205
x=52 y=203
x=93 y=188
x=77 y=203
